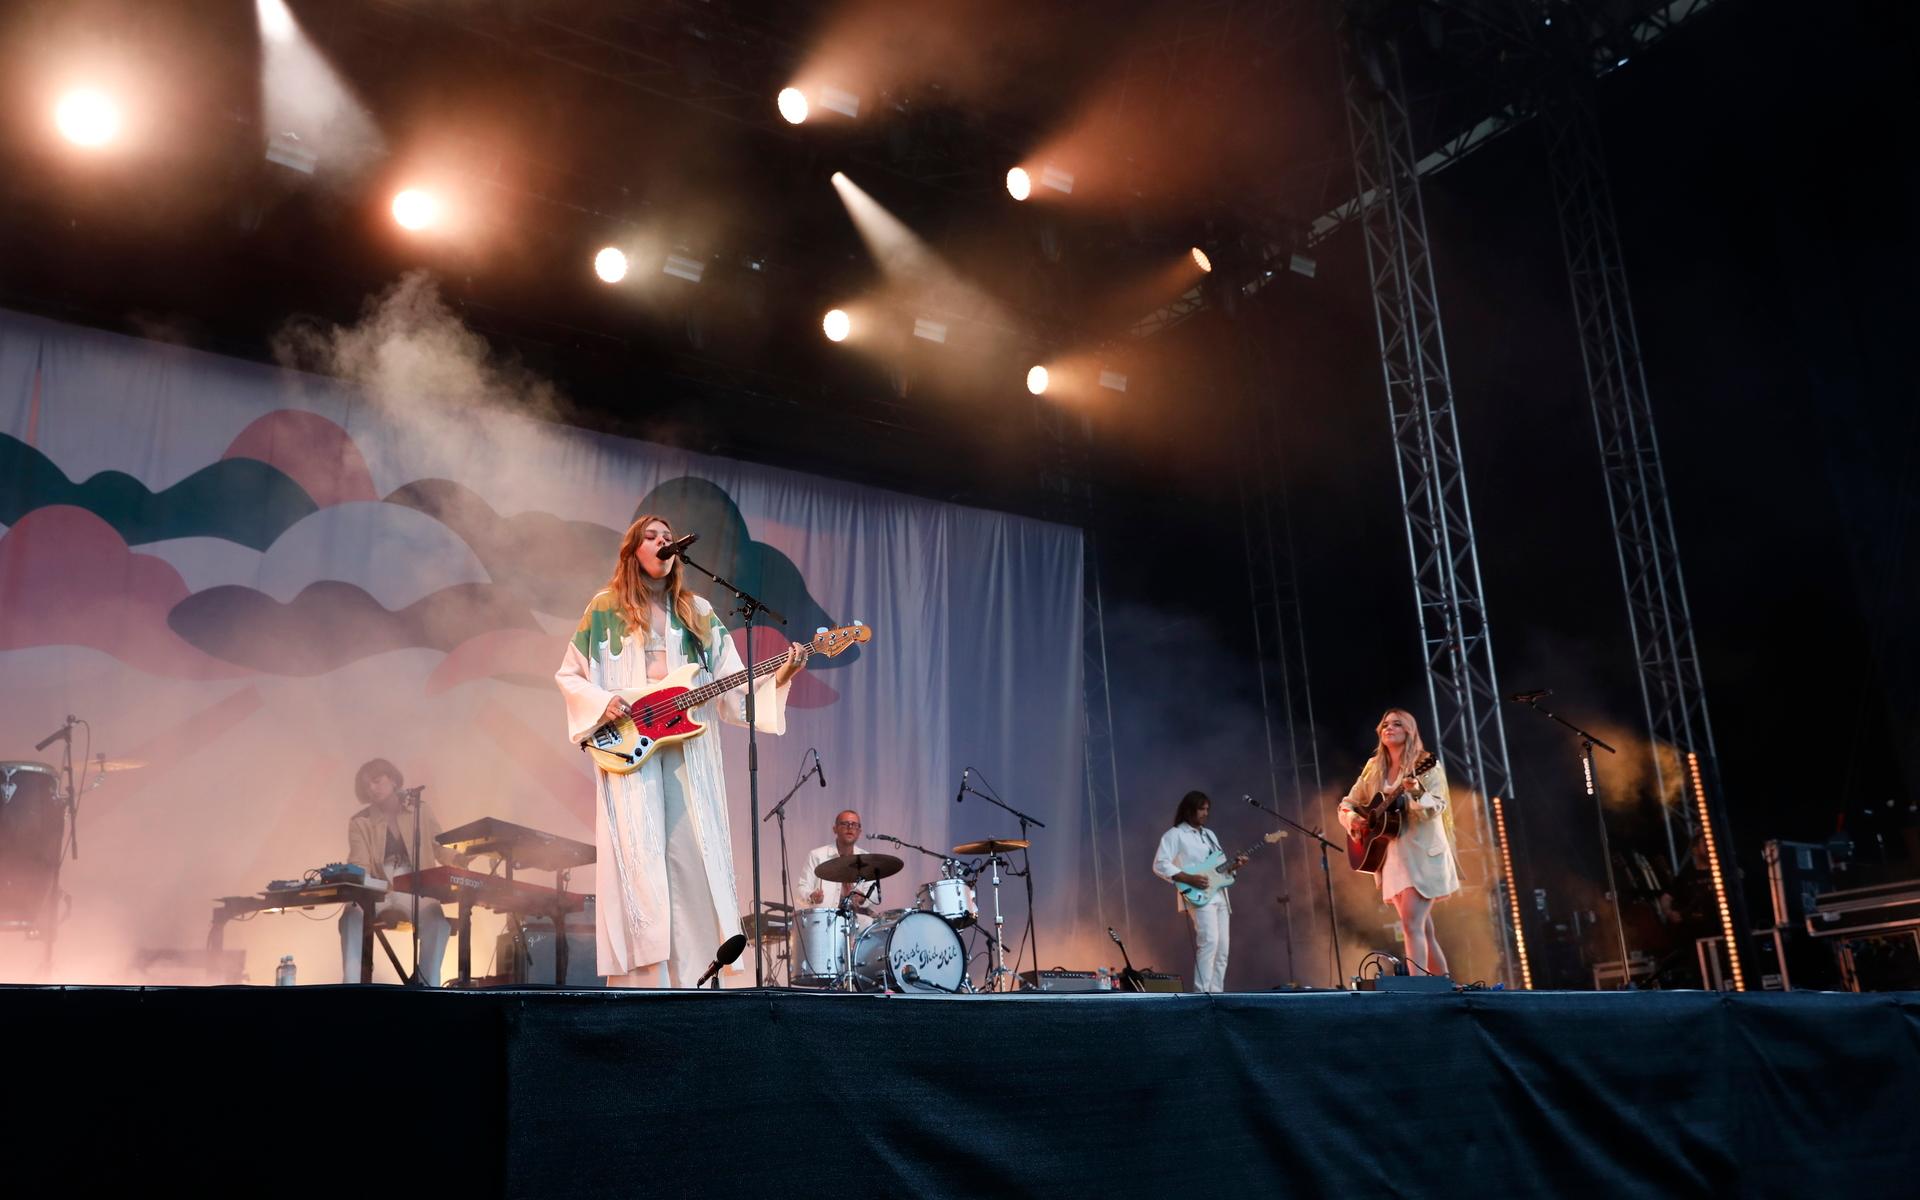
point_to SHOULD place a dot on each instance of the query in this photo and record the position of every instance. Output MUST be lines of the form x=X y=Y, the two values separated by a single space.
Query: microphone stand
x=1026 y=860
x=786 y=883
x=749 y=607
x=411 y=796
x=1587 y=743
x=1326 y=873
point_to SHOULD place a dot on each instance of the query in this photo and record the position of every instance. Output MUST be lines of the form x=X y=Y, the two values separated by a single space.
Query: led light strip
x=1713 y=867
x=1513 y=894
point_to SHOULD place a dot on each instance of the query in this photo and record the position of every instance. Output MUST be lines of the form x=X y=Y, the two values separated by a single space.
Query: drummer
x=816 y=892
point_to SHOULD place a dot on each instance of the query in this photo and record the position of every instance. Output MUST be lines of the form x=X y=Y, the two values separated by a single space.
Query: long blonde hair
x=1409 y=755
x=633 y=588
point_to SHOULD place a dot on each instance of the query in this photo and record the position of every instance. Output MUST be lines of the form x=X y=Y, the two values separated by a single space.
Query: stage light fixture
x=930 y=330
x=793 y=105
x=415 y=209
x=610 y=264
x=1710 y=836
x=1019 y=183
x=276 y=22
x=1301 y=264
x=1513 y=896
x=287 y=150
x=86 y=117
x=834 y=100
x=1037 y=380
x=1053 y=177
x=1113 y=381
x=681 y=267
x=836 y=325
x=1201 y=260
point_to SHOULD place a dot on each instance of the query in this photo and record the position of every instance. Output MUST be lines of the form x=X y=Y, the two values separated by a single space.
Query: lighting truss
x=1455 y=635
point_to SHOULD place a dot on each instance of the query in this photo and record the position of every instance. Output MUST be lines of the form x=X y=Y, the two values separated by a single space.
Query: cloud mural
x=240 y=500
x=555 y=563
x=310 y=450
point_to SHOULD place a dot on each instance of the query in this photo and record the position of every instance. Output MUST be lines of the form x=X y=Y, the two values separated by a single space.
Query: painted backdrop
x=252 y=580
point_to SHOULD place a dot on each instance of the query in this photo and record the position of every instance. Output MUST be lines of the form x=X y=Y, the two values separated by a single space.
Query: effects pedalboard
x=331 y=873
x=1061 y=982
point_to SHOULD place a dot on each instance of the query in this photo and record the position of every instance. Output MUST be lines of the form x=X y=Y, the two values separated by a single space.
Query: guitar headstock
x=1113 y=935
x=831 y=642
x=1274 y=837
x=1426 y=762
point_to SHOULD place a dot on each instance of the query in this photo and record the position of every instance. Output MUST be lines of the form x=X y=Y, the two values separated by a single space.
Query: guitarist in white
x=665 y=847
x=1183 y=849
x=1419 y=867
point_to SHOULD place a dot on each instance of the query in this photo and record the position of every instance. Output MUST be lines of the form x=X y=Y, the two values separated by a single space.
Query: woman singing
x=666 y=894
x=1419 y=868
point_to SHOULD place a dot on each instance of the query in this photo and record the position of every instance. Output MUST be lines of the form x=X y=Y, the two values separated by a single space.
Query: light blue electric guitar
x=1218 y=876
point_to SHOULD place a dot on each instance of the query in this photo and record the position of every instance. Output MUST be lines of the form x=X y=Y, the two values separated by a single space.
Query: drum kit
x=918 y=949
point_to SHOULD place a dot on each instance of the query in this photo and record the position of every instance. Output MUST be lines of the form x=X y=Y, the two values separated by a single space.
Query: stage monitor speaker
x=531 y=962
x=1156 y=982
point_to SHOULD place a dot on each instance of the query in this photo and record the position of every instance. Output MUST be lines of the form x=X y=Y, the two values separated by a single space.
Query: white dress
x=669 y=819
x=1422 y=857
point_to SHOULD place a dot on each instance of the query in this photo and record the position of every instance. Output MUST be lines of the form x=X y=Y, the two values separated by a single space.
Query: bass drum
x=918 y=941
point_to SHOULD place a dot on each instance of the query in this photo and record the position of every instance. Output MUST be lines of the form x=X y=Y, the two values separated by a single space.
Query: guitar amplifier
x=1060 y=980
x=535 y=965
x=1156 y=982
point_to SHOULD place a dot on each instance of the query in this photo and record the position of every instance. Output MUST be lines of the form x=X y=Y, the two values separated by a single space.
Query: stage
x=529 y=1093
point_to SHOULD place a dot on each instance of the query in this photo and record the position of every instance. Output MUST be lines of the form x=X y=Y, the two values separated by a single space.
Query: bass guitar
x=1219 y=877
x=1385 y=819
x=660 y=714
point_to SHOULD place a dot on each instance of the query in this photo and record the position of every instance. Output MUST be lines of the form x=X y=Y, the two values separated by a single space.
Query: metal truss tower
x=1455 y=636
x=1671 y=686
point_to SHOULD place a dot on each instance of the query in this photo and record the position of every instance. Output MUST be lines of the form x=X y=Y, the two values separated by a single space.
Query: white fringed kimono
x=636 y=926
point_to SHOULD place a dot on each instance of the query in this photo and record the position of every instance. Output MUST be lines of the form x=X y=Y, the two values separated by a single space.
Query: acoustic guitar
x=1367 y=849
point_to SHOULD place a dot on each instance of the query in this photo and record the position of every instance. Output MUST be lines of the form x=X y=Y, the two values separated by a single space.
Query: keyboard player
x=380 y=838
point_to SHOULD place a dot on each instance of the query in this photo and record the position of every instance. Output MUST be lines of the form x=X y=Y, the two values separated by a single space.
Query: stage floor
x=752 y=1093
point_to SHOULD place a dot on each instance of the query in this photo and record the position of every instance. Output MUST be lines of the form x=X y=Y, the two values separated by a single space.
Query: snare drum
x=919 y=940
x=948 y=898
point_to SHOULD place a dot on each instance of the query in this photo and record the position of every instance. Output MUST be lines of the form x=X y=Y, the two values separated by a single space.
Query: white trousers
x=1210 y=923
x=691 y=919
x=435 y=929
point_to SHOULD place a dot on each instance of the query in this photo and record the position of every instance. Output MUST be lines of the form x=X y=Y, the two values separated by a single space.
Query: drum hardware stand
x=51 y=908
x=749 y=607
x=1033 y=938
x=997 y=947
x=786 y=883
x=1326 y=874
x=1587 y=743
x=850 y=915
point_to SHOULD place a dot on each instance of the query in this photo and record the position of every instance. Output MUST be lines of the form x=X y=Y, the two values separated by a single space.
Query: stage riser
x=754 y=1094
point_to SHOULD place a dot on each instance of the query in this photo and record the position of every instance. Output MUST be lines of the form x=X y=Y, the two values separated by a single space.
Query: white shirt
x=831 y=892
x=1182 y=847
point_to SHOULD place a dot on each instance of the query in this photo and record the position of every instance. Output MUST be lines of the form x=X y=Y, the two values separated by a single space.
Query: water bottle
x=1106 y=979
x=283 y=974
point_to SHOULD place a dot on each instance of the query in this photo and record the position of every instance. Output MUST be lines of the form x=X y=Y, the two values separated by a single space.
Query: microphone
x=1530 y=697
x=62 y=734
x=411 y=795
x=724 y=956
x=819 y=768
x=962 y=793
x=676 y=547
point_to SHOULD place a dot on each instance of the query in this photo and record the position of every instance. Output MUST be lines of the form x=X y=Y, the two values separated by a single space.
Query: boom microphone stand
x=1026 y=861
x=1587 y=743
x=1326 y=873
x=411 y=798
x=786 y=883
x=749 y=607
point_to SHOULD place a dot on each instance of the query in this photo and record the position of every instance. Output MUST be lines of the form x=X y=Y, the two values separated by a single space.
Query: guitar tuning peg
x=819 y=631
x=859 y=623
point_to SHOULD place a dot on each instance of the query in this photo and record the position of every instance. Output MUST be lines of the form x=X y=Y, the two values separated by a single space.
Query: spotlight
x=1019 y=183
x=836 y=325
x=1201 y=260
x=793 y=105
x=1053 y=177
x=86 y=117
x=415 y=209
x=276 y=23
x=610 y=264
x=1037 y=380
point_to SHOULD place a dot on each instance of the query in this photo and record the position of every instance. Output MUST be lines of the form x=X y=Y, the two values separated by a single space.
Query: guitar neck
x=727 y=683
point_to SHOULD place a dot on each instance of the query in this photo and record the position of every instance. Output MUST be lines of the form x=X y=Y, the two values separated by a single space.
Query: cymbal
x=858 y=868
x=111 y=765
x=991 y=846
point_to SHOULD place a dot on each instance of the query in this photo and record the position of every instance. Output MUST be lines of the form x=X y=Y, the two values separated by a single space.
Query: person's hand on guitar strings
x=616 y=708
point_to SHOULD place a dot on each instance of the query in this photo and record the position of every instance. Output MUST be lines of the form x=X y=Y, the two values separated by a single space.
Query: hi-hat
x=858 y=868
x=991 y=846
